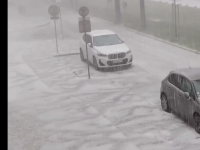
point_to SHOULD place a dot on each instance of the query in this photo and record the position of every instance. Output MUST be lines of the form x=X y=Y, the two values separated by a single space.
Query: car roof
x=191 y=73
x=100 y=32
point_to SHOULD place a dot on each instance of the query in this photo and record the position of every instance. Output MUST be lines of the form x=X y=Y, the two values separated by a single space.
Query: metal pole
x=117 y=11
x=61 y=23
x=18 y=5
x=87 y=56
x=75 y=3
x=178 y=21
x=142 y=13
x=175 y=19
x=172 y=26
x=56 y=34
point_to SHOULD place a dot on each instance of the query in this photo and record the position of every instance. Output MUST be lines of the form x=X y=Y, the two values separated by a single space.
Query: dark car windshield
x=106 y=40
x=197 y=87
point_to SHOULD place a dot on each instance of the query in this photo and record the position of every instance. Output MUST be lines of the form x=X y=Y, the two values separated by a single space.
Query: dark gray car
x=180 y=93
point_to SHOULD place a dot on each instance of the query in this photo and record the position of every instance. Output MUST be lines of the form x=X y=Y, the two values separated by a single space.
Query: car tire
x=165 y=104
x=81 y=55
x=129 y=65
x=95 y=65
x=197 y=128
x=197 y=123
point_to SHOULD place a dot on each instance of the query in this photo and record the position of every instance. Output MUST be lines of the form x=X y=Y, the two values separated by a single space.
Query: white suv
x=105 y=49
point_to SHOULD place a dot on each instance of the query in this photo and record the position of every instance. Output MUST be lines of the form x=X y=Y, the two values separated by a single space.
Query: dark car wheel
x=164 y=103
x=129 y=65
x=95 y=65
x=197 y=128
x=81 y=55
x=197 y=123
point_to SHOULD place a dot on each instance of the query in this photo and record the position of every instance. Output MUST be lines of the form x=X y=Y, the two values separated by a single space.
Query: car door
x=172 y=90
x=180 y=97
x=188 y=105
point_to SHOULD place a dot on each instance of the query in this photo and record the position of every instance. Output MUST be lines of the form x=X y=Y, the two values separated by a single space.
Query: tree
x=143 y=15
x=117 y=11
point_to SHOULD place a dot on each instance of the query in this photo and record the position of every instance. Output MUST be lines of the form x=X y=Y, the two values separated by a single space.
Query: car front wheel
x=197 y=123
x=164 y=103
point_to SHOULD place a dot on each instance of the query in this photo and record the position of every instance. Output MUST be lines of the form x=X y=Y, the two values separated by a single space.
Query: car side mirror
x=89 y=45
x=187 y=95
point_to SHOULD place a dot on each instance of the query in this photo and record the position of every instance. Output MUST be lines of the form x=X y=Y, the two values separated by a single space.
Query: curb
x=66 y=54
x=42 y=25
x=78 y=75
x=149 y=36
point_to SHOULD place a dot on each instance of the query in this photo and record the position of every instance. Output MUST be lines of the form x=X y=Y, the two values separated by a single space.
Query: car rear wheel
x=164 y=103
x=197 y=123
x=95 y=65
x=81 y=55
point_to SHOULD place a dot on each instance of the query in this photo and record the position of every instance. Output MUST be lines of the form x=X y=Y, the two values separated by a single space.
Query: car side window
x=186 y=86
x=174 y=79
x=179 y=79
x=89 y=39
x=170 y=79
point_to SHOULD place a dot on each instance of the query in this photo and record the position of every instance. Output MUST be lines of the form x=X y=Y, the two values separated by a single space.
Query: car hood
x=112 y=49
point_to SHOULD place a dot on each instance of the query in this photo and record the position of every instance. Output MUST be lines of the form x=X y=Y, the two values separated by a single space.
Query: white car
x=105 y=49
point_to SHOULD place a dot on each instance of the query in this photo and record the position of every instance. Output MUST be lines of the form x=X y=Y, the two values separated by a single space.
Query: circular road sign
x=54 y=10
x=83 y=11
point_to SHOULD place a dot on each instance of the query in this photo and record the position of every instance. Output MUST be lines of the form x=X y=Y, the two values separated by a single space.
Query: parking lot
x=53 y=105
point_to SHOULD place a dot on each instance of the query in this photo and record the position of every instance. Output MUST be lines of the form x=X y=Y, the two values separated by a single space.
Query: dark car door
x=177 y=100
x=188 y=104
x=172 y=90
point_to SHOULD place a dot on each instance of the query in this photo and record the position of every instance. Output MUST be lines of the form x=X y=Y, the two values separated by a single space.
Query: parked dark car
x=180 y=93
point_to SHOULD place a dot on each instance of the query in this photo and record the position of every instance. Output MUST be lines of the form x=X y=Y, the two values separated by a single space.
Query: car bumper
x=106 y=63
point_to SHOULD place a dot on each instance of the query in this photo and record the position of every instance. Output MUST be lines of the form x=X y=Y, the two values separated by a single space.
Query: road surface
x=53 y=106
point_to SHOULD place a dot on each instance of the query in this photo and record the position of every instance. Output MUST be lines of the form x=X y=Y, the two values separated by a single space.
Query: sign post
x=84 y=27
x=58 y=2
x=54 y=11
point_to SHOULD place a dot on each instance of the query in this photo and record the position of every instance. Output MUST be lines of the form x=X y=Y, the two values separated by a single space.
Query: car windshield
x=197 y=87
x=106 y=40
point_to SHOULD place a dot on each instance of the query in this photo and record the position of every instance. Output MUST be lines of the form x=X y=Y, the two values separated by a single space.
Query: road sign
x=84 y=25
x=54 y=10
x=81 y=18
x=83 y=11
x=54 y=17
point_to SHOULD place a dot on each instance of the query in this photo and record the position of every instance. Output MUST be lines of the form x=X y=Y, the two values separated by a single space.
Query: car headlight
x=128 y=52
x=101 y=55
